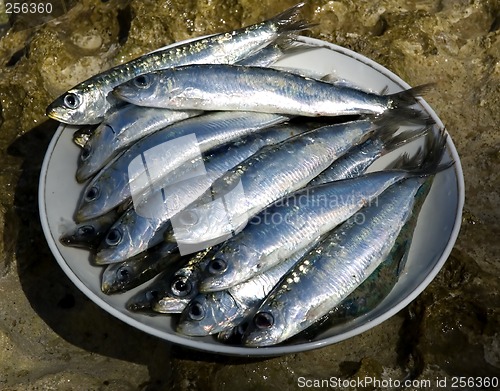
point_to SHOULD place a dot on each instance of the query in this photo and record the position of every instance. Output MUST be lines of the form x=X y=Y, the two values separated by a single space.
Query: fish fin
x=408 y=97
x=405 y=251
x=426 y=161
x=395 y=141
x=401 y=251
x=288 y=21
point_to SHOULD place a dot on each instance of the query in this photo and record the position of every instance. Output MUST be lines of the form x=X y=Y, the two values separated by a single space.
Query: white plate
x=435 y=235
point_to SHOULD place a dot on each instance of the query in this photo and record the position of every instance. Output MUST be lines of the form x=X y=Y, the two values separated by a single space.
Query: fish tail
x=408 y=97
x=427 y=160
x=392 y=142
x=288 y=21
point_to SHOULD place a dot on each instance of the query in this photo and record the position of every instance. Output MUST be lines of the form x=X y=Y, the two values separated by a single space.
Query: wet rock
x=456 y=320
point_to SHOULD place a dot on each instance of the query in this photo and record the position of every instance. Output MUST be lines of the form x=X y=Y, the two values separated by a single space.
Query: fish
x=143 y=300
x=123 y=276
x=214 y=312
x=358 y=159
x=259 y=89
x=89 y=234
x=135 y=230
x=151 y=158
x=291 y=223
x=266 y=56
x=119 y=130
x=337 y=266
x=243 y=191
x=183 y=284
x=369 y=294
x=88 y=101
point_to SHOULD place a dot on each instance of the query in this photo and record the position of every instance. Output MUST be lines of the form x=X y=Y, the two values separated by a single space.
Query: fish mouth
x=170 y=306
x=104 y=257
x=108 y=288
x=52 y=112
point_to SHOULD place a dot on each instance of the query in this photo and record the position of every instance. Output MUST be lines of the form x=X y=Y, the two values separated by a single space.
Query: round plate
x=435 y=235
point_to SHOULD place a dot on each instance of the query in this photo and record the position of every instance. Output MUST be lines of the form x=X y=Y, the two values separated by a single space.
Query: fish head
x=117 y=277
x=209 y=313
x=79 y=106
x=96 y=152
x=141 y=90
x=228 y=267
x=267 y=327
x=145 y=299
x=183 y=286
x=124 y=239
x=201 y=225
x=99 y=195
x=85 y=235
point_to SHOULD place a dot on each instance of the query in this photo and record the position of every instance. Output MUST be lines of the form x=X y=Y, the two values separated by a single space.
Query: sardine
x=121 y=277
x=369 y=294
x=244 y=191
x=160 y=153
x=90 y=233
x=214 y=312
x=358 y=159
x=183 y=284
x=336 y=267
x=143 y=300
x=260 y=89
x=121 y=129
x=290 y=224
x=87 y=102
x=136 y=229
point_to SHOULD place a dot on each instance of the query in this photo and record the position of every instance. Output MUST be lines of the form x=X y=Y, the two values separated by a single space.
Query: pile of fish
x=237 y=193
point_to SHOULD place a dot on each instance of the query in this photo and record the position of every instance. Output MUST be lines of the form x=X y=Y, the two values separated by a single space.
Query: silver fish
x=121 y=277
x=183 y=284
x=371 y=292
x=87 y=102
x=290 y=224
x=137 y=229
x=160 y=153
x=265 y=57
x=244 y=191
x=119 y=130
x=260 y=89
x=90 y=233
x=144 y=299
x=214 y=312
x=358 y=159
x=336 y=267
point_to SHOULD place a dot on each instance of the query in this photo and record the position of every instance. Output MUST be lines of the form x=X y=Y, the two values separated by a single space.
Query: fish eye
x=92 y=194
x=151 y=295
x=217 y=266
x=263 y=320
x=85 y=154
x=113 y=237
x=142 y=81
x=188 y=217
x=71 y=101
x=181 y=287
x=196 y=311
x=123 y=274
x=86 y=230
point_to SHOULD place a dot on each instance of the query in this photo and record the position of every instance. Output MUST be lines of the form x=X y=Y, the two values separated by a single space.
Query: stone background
x=53 y=338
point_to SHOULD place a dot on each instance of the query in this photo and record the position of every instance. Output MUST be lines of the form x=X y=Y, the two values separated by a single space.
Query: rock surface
x=53 y=337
